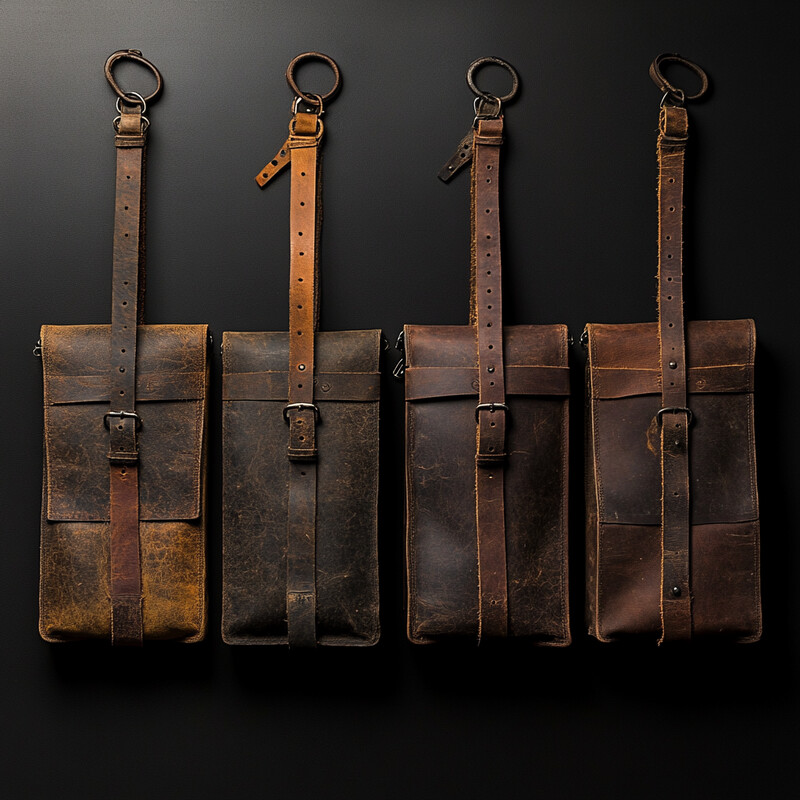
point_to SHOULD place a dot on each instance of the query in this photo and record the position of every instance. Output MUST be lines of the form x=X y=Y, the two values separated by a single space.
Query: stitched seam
x=598 y=492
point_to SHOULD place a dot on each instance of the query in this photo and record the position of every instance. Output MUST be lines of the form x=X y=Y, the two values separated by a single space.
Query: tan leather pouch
x=123 y=507
x=172 y=383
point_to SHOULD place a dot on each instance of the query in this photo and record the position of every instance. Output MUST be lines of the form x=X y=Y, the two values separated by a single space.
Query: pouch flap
x=624 y=382
x=171 y=373
x=625 y=359
x=347 y=366
x=442 y=360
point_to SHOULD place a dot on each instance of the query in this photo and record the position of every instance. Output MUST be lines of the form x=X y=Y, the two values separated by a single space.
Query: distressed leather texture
x=346 y=389
x=171 y=391
x=441 y=526
x=623 y=481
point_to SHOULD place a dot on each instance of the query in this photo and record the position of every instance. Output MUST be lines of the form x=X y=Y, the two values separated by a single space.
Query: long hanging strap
x=301 y=149
x=122 y=419
x=487 y=316
x=674 y=416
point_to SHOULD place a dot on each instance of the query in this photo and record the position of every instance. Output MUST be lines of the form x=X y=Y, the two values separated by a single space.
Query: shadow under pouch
x=672 y=506
x=486 y=443
x=300 y=445
x=123 y=511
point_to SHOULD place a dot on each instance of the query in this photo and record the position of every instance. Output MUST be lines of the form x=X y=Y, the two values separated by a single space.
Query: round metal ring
x=128 y=96
x=311 y=98
x=132 y=55
x=673 y=92
x=481 y=62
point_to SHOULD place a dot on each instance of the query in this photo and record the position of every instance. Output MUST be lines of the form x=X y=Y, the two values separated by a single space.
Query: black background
x=579 y=214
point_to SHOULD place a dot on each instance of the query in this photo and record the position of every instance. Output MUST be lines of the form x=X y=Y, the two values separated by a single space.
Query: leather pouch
x=672 y=504
x=300 y=449
x=486 y=449
x=123 y=510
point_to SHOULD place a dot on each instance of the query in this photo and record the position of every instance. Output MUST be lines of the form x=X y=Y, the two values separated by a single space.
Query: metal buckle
x=136 y=96
x=300 y=405
x=486 y=107
x=491 y=407
x=674 y=410
x=122 y=415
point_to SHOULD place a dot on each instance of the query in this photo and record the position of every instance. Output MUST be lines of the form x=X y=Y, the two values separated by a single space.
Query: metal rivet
x=301 y=367
x=326 y=387
x=676 y=591
x=490 y=369
x=673 y=365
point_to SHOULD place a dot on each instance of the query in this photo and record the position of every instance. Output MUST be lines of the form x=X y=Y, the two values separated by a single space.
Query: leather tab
x=126 y=621
x=673 y=125
x=275 y=165
x=459 y=159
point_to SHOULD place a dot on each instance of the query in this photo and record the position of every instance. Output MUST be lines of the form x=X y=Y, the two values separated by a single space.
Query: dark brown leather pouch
x=486 y=449
x=123 y=510
x=300 y=449
x=672 y=504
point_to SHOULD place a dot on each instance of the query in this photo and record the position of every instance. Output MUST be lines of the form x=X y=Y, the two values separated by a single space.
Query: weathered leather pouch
x=300 y=447
x=123 y=524
x=486 y=446
x=672 y=505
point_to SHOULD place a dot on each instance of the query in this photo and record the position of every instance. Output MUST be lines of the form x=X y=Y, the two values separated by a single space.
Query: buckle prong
x=310 y=406
x=490 y=407
x=122 y=415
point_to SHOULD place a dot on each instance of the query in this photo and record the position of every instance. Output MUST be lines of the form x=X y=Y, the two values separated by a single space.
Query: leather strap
x=676 y=600
x=486 y=314
x=301 y=149
x=122 y=419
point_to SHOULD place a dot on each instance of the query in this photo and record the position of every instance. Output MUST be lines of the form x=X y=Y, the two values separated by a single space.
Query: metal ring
x=299 y=406
x=673 y=92
x=674 y=410
x=481 y=62
x=490 y=407
x=128 y=95
x=132 y=55
x=311 y=99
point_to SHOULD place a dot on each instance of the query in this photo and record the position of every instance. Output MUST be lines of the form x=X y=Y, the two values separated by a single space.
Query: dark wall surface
x=579 y=215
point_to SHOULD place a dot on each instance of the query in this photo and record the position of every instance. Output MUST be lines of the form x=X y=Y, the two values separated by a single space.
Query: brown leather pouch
x=300 y=447
x=672 y=504
x=123 y=517
x=486 y=447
